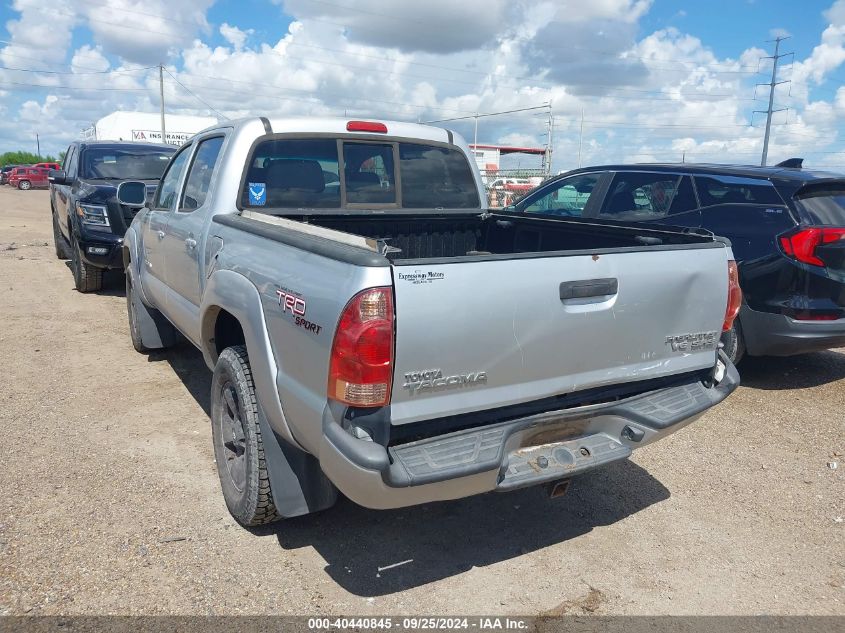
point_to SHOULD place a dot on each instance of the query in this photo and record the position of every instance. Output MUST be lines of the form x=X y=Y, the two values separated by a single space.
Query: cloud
x=649 y=96
x=146 y=33
x=35 y=40
x=578 y=11
x=434 y=26
x=235 y=36
x=89 y=59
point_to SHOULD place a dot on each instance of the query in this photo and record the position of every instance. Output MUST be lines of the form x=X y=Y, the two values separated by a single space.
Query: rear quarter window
x=823 y=206
x=713 y=190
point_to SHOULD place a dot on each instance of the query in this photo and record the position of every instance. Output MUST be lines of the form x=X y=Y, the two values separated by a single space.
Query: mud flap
x=156 y=331
x=298 y=484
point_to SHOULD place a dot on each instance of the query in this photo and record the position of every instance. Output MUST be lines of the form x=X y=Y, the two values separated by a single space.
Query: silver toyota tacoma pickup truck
x=374 y=329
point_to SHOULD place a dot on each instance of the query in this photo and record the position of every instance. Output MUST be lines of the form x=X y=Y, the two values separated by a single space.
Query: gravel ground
x=111 y=504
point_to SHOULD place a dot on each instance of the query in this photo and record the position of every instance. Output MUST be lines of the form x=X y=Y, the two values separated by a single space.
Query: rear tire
x=733 y=343
x=59 y=240
x=86 y=278
x=238 y=446
x=24 y=185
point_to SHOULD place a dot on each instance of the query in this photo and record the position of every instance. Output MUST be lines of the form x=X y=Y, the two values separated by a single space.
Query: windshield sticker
x=257 y=193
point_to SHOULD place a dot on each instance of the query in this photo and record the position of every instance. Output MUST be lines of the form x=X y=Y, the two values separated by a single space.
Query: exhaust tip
x=558 y=488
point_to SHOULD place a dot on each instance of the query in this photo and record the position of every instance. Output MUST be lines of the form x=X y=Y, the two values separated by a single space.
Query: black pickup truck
x=88 y=221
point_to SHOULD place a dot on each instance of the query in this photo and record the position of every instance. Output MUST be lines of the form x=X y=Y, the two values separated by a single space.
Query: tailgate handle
x=588 y=288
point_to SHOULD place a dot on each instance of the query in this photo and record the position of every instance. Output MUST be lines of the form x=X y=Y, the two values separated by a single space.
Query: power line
x=488 y=114
x=73 y=88
x=197 y=97
x=311 y=92
x=93 y=72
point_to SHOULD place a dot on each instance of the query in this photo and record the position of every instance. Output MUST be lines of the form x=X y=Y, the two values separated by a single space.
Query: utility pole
x=38 y=145
x=581 y=138
x=475 y=139
x=774 y=82
x=161 y=92
x=549 y=143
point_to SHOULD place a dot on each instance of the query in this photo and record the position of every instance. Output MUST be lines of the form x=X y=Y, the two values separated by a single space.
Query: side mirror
x=132 y=193
x=57 y=177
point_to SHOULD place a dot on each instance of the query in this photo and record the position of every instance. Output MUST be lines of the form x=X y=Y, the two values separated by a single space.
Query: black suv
x=786 y=226
x=88 y=221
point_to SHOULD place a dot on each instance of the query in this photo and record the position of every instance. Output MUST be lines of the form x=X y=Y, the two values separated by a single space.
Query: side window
x=168 y=188
x=568 y=198
x=713 y=190
x=68 y=154
x=640 y=196
x=71 y=162
x=199 y=176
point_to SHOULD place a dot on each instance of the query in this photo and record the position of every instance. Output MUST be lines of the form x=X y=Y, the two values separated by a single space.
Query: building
x=488 y=158
x=504 y=185
x=146 y=126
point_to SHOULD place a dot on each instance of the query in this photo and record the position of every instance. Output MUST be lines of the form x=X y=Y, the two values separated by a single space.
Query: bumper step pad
x=464 y=453
x=550 y=462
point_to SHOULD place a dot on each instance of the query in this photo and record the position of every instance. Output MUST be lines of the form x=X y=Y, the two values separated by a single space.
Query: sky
x=652 y=80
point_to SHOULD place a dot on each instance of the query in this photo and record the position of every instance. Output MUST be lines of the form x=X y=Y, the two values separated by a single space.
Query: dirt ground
x=110 y=503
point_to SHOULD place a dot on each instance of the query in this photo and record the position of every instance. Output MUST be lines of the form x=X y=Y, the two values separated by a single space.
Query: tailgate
x=477 y=335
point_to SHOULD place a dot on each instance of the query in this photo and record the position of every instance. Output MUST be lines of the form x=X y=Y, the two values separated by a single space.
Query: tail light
x=361 y=365
x=801 y=245
x=734 y=296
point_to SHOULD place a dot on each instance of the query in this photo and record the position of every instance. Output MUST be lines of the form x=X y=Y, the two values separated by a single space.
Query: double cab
x=374 y=329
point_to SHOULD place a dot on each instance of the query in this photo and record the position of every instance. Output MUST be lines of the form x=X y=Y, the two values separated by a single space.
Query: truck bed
x=428 y=236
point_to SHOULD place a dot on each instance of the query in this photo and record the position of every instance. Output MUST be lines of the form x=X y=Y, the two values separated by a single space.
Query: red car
x=48 y=165
x=29 y=177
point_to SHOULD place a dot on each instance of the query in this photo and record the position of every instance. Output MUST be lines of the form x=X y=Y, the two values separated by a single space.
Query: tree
x=24 y=158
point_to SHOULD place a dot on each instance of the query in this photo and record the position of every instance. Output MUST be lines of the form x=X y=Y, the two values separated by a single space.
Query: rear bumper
x=513 y=454
x=770 y=334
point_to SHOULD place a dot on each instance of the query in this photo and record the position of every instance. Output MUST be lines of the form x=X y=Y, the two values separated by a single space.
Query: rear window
x=288 y=173
x=824 y=206
x=713 y=190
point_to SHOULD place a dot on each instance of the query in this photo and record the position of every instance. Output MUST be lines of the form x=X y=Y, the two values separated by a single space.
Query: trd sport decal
x=294 y=304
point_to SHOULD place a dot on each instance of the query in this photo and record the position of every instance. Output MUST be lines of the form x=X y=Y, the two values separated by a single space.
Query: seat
x=358 y=180
x=294 y=173
x=734 y=197
x=621 y=202
x=294 y=182
x=365 y=187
